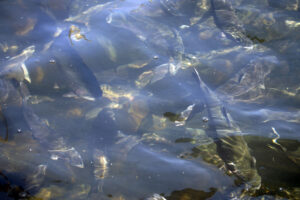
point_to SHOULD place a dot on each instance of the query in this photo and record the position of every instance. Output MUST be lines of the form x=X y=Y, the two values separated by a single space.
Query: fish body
x=156 y=35
x=49 y=139
x=84 y=16
x=14 y=106
x=231 y=146
x=11 y=106
x=15 y=67
x=248 y=84
x=227 y=20
x=77 y=76
x=101 y=168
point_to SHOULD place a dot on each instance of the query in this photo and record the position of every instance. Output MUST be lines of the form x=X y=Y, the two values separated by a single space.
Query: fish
x=231 y=146
x=37 y=177
x=110 y=50
x=27 y=28
x=158 y=36
x=156 y=197
x=47 y=137
x=8 y=93
x=77 y=76
x=14 y=105
x=15 y=110
x=158 y=73
x=11 y=106
x=172 y=6
x=40 y=130
x=71 y=155
x=250 y=80
x=180 y=119
x=15 y=67
x=227 y=20
x=11 y=187
x=101 y=168
x=84 y=17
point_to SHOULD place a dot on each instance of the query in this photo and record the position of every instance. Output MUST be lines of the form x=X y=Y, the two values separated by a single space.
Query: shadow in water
x=278 y=165
x=189 y=193
x=11 y=187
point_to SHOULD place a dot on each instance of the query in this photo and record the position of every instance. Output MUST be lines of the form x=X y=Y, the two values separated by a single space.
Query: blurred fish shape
x=231 y=146
x=68 y=154
x=158 y=36
x=11 y=105
x=47 y=137
x=249 y=83
x=37 y=177
x=158 y=73
x=101 y=168
x=156 y=197
x=228 y=21
x=84 y=17
x=77 y=76
x=15 y=67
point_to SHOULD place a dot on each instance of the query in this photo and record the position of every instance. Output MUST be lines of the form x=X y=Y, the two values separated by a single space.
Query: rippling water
x=150 y=99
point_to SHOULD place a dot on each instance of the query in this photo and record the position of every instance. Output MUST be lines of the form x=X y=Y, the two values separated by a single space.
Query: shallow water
x=101 y=100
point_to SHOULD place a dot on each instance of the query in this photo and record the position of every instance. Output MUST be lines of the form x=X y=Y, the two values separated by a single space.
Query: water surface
x=101 y=100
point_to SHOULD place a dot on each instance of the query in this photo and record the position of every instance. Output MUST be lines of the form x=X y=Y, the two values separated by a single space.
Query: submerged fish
x=228 y=21
x=11 y=106
x=37 y=177
x=159 y=72
x=11 y=187
x=100 y=163
x=77 y=76
x=159 y=36
x=14 y=99
x=46 y=136
x=249 y=82
x=231 y=145
x=9 y=94
x=13 y=103
x=156 y=197
x=70 y=155
x=15 y=67
x=172 y=6
x=84 y=17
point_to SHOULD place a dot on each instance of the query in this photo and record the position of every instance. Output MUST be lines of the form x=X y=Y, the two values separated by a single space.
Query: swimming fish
x=231 y=145
x=15 y=67
x=100 y=167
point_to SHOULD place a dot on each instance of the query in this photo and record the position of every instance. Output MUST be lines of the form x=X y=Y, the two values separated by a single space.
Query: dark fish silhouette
x=231 y=145
x=78 y=76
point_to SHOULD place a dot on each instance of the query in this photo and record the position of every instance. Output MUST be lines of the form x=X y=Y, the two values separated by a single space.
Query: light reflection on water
x=104 y=75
